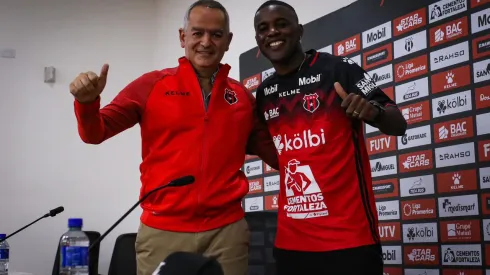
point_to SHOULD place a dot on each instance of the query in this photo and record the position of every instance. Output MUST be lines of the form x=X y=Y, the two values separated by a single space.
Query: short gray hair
x=208 y=4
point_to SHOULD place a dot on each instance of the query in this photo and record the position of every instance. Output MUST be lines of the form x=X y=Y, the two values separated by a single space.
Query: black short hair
x=212 y=4
x=278 y=3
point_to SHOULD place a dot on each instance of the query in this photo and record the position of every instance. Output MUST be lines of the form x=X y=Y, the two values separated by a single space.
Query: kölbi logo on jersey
x=298 y=141
x=309 y=80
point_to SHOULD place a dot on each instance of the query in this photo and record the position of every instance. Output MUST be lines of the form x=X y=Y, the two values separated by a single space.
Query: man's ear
x=182 y=37
x=300 y=30
x=230 y=37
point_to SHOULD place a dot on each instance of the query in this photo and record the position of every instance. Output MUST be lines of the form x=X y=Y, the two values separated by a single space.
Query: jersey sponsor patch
x=366 y=85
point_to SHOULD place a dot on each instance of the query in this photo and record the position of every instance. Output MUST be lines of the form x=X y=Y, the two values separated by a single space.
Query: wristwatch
x=380 y=108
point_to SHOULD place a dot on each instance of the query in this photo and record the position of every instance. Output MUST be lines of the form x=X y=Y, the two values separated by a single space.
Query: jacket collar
x=222 y=71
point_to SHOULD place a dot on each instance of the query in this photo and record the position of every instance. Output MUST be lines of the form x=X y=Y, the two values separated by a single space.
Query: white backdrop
x=43 y=162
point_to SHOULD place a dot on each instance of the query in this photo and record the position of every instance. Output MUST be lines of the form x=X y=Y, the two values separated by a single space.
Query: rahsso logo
x=449 y=56
x=304 y=140
x=455 y=155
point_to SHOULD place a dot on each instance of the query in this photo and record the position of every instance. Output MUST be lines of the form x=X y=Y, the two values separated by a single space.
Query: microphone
x=51 y=213
x=175 y=183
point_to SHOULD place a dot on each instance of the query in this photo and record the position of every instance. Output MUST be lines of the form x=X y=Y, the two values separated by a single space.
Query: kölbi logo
x=306 y=139
x=451 y=104
x=417 y=233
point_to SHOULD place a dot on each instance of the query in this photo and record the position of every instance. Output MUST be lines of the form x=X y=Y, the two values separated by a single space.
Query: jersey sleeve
x=260 y=141
x=355 y=79
x=96 y=125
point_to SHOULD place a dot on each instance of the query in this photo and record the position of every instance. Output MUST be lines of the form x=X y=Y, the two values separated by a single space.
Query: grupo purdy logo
x=446 y=8
x=480 y=21
x=383 y=166
x=449 y=56
x=457 y=206
x=451 y=104
x=412 y=90
x=466 y=254
x=455 y=155
x=417 y=186
x=481 y=71
x=376 y=35
x=306 y=139
x=410 y=44
x=420 y=233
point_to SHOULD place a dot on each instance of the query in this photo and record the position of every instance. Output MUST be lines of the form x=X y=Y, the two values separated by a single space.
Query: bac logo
x=348 y=46
x=454 y=130
x=448 y=32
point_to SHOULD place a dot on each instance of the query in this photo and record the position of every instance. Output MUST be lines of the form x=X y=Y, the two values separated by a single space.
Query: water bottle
x=74 y=249
x=4 y=256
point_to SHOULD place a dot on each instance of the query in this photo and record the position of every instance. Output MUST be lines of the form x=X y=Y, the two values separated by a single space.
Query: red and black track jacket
x=180 y=137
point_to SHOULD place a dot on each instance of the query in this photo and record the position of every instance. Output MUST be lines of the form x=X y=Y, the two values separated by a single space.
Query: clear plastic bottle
x=4 y=256
x=74 y=249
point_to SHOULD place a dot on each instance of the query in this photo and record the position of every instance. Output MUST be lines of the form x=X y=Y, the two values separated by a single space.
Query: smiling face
x=206 y=37
x=277 y=32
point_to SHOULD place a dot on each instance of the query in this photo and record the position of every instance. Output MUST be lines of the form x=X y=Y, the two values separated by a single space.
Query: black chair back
x=123 y=261
x=93 y=257
x=263 y=227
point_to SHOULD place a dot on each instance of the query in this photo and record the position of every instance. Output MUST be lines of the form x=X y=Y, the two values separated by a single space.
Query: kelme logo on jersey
x=303 y=140
x=309 y=80
x=270 y=90
x=366 y=85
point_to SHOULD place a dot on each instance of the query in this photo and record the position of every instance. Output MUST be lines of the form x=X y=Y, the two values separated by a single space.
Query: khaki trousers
x=228 y=245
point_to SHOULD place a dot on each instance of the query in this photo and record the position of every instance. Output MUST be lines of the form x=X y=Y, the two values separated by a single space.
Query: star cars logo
x=409 y=22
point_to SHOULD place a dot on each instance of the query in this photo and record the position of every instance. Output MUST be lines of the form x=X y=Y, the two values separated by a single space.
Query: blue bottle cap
x=75 y=222
x=2 y=236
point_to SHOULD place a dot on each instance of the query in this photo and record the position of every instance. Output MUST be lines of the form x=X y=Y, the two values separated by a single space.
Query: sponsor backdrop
x=432 y=185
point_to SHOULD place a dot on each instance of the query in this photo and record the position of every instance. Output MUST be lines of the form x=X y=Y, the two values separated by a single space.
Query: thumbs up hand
x=355 y=105
x=88 y=86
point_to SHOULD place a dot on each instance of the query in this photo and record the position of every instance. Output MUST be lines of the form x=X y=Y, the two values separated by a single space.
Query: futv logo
x=304 y=140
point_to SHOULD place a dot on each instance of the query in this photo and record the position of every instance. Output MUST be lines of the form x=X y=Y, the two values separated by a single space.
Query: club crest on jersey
x=311 y=102
x=230 y=96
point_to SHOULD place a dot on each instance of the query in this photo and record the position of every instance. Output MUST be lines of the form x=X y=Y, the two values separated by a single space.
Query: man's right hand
x=88 y=86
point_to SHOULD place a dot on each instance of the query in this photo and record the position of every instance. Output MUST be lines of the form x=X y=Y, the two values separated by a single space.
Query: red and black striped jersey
x=326 y=200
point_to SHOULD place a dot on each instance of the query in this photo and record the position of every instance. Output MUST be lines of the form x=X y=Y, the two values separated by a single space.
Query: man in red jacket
x=194 y=120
